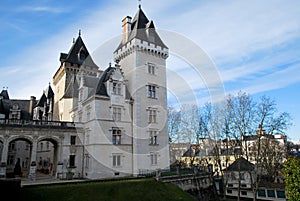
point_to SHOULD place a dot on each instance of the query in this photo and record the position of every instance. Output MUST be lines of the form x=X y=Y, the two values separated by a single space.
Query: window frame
x=153 y=137
x=154 y=159
x=116 y=136
x=116 y=160
x=151 y=69
x=116 y=113
x=152 y=91
x=152 y=115
x=117 y=88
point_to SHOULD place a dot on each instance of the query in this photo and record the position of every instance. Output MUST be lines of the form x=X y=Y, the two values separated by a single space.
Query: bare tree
x=174 y=119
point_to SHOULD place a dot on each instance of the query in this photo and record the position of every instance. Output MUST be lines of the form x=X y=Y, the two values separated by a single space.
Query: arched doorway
x=46 y=157
x=18 y=158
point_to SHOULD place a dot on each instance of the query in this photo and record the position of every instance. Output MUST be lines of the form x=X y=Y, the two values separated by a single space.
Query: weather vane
x=140 y=2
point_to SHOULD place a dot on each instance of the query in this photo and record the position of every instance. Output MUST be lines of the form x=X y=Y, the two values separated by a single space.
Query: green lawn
x=132 y=190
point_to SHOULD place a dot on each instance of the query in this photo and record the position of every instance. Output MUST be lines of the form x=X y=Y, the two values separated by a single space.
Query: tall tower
x=77 y=59
x=142 y=56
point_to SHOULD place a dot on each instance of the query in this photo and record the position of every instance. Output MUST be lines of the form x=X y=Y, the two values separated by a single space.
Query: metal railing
x=36 y=123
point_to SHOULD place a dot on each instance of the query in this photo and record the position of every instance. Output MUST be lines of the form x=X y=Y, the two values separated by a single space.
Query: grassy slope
x=132 y=190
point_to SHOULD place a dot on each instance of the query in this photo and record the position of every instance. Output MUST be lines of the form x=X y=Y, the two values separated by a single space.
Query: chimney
x=126 y=26
x=31 y=105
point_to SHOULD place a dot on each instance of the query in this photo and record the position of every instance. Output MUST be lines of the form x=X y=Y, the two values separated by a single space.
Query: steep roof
x=101 y=88
x=72 y=88
x=4 y=94
x=78 y=54
x=41 y=101
x=240 y=164
x=49 y=92
x=4 y=107
x=144 y=30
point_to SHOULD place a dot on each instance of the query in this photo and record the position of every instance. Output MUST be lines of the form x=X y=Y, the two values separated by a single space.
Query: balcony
x=36 y=123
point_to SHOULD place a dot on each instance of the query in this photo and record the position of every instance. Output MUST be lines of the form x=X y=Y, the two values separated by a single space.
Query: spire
x=77 y=53
x=140 y=6
x=139 y=26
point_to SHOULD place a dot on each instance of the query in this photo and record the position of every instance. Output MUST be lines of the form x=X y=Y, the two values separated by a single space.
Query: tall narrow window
x=80 y=116
x=153 y=137
x=151 y=68
x=116 y=88
x=152 y=115
x=87 y=160
x=116 y=160
x=117 y=113
x=73 y=140
x=116 y=136
x=153 y=158
x=152 y=91
x=72 y=161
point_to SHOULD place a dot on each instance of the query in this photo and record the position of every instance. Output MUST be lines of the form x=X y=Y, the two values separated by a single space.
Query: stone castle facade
x=103 y=123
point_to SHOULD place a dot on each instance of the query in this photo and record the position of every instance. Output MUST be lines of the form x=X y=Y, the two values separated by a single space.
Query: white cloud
x=49 y=9
x=228 y=31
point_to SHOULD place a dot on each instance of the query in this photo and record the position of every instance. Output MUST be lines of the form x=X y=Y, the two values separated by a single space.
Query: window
x=116 y=136
x=229 y=191
x=79 y=116
x=117 y=113
x=261 y=193
x=80 y=95
x=88 y=113
x=116 y=160
x=87 y=136
x=230 y=185
x=73 y=140
x=152 y=115
x=280 y=194
x=242 y=176
x=151 y=69
x=153 y=137
x=271 y=193
x=116 y=88
x=82 y=55
x=72 y=161
x=244 y=192
x=152 y=91
x=87 y=160
x=153 y=158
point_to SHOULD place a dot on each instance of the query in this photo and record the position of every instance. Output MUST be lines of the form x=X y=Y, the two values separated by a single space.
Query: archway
x=46 y=157
x=18 y=157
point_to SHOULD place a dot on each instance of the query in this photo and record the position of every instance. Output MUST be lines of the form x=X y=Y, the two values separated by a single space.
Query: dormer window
x=15 y=107
x=82 y=55
x=117 y=88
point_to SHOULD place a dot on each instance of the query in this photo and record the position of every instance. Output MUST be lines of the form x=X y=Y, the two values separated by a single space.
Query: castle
x=105 y=123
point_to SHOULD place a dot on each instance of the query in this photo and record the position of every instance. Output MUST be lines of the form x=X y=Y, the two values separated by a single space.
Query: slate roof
x=73 y=56
x=41 y=101
x=101 y=87
x=4 y=94
x=4 y=107
x=139 y=27
x=47 y=94
x=72 y=88
x=90 y=81
x=7 y=104
x=240 y=164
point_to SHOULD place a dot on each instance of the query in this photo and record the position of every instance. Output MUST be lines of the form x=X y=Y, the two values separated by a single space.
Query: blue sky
x=254 y=45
